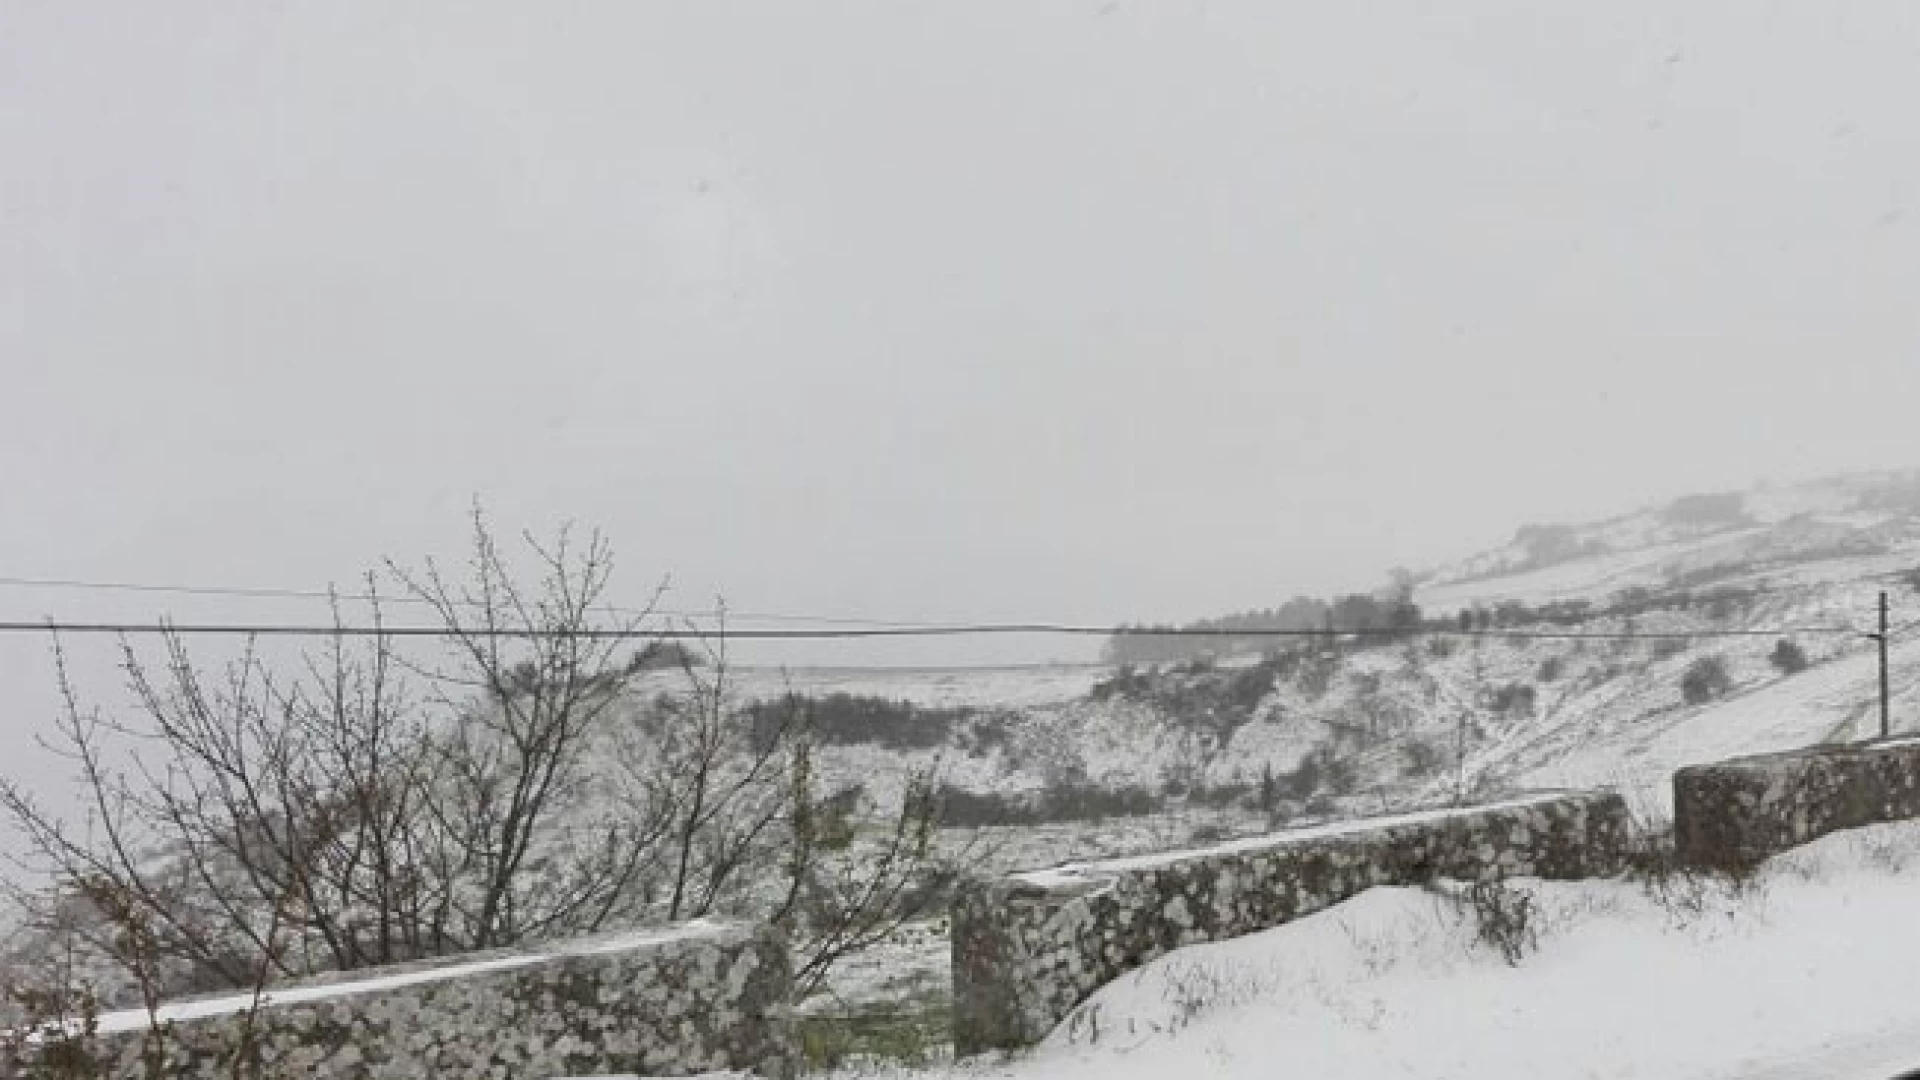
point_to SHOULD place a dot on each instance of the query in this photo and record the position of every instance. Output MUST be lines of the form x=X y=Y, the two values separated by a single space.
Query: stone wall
x=1732 y=814
x=698 y=998
x=1028 y=949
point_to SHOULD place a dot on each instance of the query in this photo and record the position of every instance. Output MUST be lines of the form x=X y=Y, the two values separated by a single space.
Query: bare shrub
x=1501 y=917
x=361 y=807
x=1687 y=892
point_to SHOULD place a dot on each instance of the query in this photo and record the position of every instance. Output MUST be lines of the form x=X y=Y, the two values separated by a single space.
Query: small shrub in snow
x=1705 y=679
x=1550 y=669
x=1687 y=893
x=1788 y=658
x=1083 y=1025
x=1513 y=699
x=1505 y=919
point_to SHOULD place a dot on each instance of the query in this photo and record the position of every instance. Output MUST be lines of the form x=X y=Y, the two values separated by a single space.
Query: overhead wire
x=261 y=593
x=837 y=627
x=958 y=630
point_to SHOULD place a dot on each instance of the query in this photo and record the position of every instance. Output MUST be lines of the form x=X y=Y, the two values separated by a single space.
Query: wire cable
x=258 y=593
x=968 y=630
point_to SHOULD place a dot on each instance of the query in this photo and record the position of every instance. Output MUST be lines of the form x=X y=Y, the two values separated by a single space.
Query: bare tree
x=535 y=677
x=359 y=807
x=734 y=797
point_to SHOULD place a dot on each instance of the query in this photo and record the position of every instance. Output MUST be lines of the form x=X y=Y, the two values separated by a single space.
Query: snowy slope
x=1808 y=974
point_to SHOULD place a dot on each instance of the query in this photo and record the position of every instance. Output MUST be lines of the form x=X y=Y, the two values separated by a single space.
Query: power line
x=279 y=593
x=260 y=593
x=967 y=630
x=854 y=627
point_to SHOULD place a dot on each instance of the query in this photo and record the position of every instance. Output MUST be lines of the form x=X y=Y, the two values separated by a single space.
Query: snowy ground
x=1808 y=974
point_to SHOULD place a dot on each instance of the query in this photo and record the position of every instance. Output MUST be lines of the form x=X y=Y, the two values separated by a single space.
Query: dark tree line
x=1375 y=614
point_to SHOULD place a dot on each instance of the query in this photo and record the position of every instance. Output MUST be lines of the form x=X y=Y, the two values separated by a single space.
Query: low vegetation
x=1705 y=680
x=1787 y=657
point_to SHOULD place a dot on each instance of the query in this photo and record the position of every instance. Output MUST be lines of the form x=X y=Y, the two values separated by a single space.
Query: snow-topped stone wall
x=1732 y=814
x=1030 y=948
x=698 y=998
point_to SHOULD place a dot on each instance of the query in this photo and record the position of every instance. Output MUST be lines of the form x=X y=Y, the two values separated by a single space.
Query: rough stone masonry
x=702 y=997
x=1732 y=814
x=1030 y=948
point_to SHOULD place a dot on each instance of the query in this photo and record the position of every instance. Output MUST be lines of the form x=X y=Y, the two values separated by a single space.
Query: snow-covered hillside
x=1536 y=698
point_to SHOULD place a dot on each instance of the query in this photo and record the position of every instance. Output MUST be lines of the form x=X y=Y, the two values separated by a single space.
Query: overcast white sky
x=1091 y=310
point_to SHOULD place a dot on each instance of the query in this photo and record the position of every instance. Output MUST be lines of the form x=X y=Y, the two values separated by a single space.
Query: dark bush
x=1551 y=669
x=1420 y=759
x=665 y=655
x=1705 y=679
x=834 y=817
x=1788 y=658
x=1198 y=697
x=1321 y=772
x=1248 y=687
x=969 y=809
x=1513 y=699
x=1072 y=802
x=850 y=719
x=1088 y=802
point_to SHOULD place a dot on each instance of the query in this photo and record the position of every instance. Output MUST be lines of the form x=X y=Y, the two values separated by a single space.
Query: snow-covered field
x=1808 y=973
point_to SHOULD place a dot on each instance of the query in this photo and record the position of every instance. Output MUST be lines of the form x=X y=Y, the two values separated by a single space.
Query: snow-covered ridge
x=1836 y=517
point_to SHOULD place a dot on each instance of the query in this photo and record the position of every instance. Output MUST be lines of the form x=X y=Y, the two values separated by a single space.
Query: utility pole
x=1882 y=638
